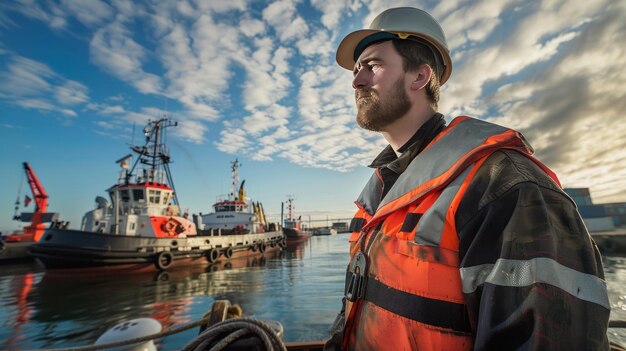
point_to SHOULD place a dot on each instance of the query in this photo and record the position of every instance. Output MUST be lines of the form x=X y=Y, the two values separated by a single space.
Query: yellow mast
x=263 y=214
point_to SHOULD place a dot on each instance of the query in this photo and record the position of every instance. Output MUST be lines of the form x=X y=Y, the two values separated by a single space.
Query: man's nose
x=362 y=79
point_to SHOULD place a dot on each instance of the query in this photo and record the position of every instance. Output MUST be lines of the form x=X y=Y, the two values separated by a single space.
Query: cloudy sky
x=257 y=80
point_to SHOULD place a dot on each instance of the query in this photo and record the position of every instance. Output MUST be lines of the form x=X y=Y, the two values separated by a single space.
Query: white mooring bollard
x=134 y=328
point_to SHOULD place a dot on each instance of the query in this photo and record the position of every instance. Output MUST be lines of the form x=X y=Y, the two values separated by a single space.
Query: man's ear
x=420 y=77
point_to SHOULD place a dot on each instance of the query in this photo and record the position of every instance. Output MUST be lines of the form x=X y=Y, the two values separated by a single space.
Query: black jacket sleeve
x=336 y=330
x=532 y=276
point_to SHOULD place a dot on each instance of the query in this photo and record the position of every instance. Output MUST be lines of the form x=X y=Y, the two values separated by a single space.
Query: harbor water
x=300 y=287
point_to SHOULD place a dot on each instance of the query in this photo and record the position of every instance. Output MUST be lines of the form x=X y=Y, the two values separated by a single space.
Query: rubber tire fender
x=228 y=252
x=262 y=247
x=212 y=255
x=164 y=260
x=282 y=243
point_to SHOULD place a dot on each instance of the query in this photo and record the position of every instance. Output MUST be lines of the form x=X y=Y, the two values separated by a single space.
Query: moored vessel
x=292 y=226
x=140 y=227
x=235 y=213
x=324 y=231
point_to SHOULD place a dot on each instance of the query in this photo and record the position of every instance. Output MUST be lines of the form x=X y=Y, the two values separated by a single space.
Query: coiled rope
x=237 y=329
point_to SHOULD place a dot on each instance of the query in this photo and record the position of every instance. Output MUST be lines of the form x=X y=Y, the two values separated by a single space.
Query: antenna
x=154 y=154
x=132 y=138
x=235 y=178
x=290 y=207
x=16 y=216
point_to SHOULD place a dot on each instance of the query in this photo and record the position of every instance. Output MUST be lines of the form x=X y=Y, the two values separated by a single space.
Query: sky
x=257 y=80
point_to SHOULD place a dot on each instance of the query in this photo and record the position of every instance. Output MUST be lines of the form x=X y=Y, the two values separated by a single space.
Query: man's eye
x=367 y=66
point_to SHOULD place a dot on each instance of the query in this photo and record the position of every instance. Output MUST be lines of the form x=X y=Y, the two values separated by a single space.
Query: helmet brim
x=345 y=51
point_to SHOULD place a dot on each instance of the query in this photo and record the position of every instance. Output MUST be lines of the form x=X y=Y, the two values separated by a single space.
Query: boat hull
x=63 y=249
x=324 y=231
x=292 y=234
x=15 y=251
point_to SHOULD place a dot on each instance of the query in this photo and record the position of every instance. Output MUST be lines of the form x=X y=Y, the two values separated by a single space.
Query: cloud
x=49 y=12
x=118 y=97
x=116 y=118
x=114 y=50
x=251 y=27
x=197 y=61
x=333 y=11
x=318 y=46
x=33 y=85
x=71 y=93
x=89 y=12
x=105 y=125
x=283 y=17
x=106 y=109
x=267 y=75
x=319 y=132
x=263 y=75
x=190 y=130
x=558 y=78
x=43 y=105
x=221 y=7
x=267 y=83
x=530 y=36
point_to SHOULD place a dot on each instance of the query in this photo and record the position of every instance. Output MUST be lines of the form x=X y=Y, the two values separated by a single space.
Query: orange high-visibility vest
x=403 y=284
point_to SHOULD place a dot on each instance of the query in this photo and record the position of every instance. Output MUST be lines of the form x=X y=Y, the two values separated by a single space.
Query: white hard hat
x=403 y=23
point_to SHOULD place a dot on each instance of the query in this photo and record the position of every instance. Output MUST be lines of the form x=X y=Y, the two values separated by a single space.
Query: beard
x=374 y=115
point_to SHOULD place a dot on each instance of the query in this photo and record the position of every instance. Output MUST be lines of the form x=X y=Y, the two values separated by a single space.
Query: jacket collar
x=422 y=137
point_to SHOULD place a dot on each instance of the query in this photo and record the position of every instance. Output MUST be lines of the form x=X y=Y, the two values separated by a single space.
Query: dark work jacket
x=513 y=210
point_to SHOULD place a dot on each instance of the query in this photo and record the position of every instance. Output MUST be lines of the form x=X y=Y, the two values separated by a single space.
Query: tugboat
x=236 y=214
x=142 y=228
x=292 y=227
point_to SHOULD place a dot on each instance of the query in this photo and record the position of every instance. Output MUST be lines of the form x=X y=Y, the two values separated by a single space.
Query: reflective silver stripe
x=430 y=226
x=519 y=273
x=442 y=155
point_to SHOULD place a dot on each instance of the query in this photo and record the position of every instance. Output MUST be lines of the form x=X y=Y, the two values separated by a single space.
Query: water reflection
x=300 y=287
x=615 y=274
x=77 y=309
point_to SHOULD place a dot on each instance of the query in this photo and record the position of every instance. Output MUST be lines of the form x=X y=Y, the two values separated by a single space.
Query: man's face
x=380 y=87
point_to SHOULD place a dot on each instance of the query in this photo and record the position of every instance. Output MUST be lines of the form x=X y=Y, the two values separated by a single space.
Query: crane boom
x=36 y=227
x=39 y=193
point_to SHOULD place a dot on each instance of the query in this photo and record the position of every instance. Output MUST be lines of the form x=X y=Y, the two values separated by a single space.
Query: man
x=463 y=240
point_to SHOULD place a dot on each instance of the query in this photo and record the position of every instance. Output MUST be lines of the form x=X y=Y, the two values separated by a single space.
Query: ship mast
x=235 y=180
x=290 y=207
x=155 y=155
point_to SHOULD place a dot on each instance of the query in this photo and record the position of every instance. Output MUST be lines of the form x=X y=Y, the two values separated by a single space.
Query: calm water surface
x=301 y=288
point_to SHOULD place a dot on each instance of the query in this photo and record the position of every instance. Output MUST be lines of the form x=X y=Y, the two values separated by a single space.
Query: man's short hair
x=413 y=56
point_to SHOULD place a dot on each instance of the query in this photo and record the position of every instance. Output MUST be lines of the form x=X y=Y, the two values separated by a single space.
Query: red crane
x=34 y=231
x=36 y=227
